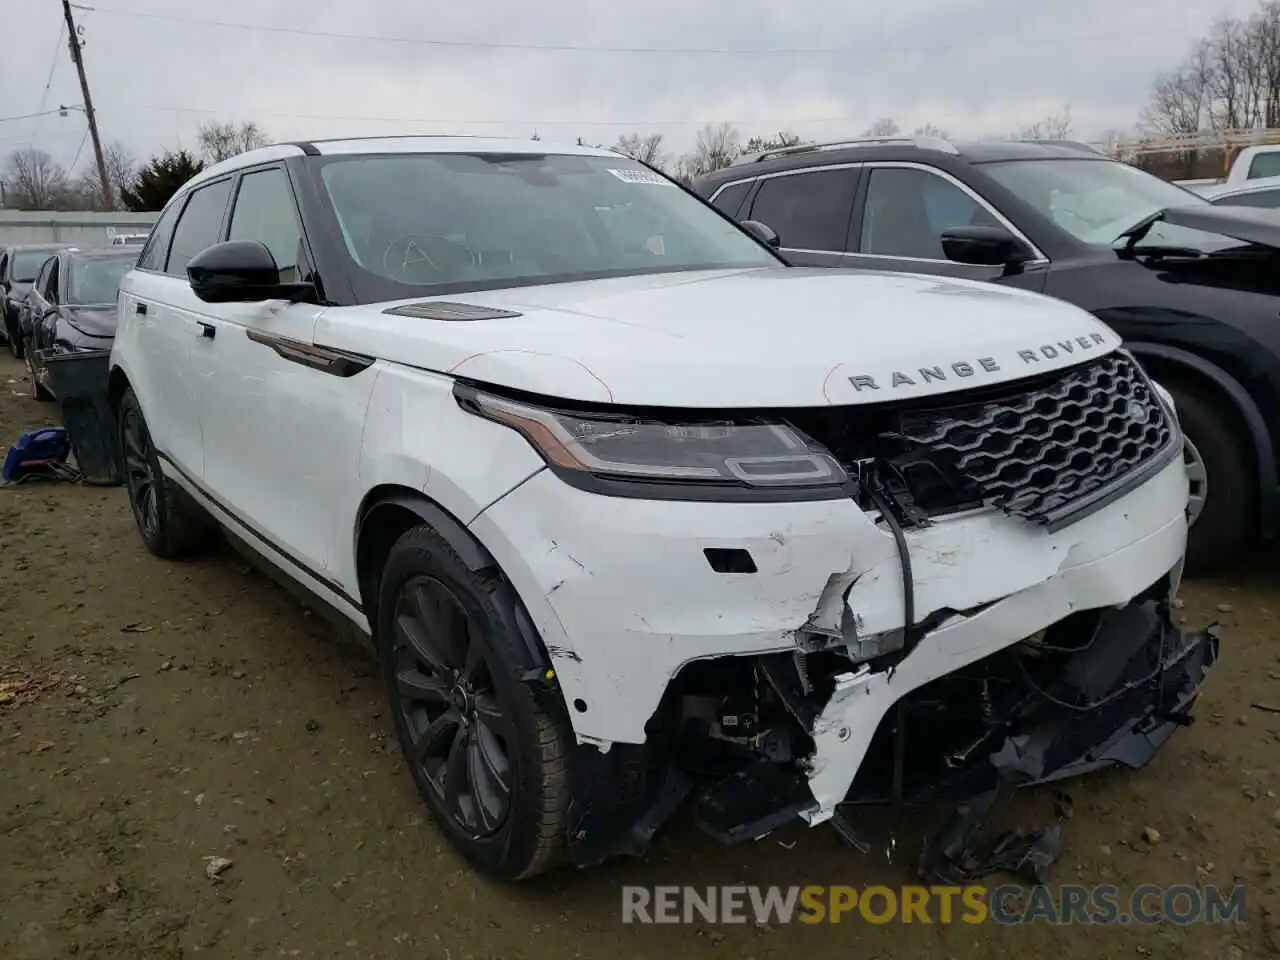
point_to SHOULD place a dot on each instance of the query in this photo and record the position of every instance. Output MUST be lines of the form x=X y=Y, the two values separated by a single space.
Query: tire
x=37 y=391
x=529 y=835
x=170 y=523
x=15 y=338
x=1226 y=522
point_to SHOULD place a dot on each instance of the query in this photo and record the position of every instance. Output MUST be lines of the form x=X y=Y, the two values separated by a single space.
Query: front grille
x=1039 y=449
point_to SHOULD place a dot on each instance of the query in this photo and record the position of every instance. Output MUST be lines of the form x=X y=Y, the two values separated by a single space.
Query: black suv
x=1194 y=289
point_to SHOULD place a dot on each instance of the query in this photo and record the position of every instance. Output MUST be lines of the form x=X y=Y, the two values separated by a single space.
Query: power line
x=76 y=158
x=29 y=116
x=1056 y=38
x=44 y=97
x=519 y=121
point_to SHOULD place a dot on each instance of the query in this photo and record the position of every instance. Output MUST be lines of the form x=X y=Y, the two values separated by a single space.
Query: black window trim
x=308 y=251
x=186 y=202
x=754 y=191
x=159 y=235
x=857 y=172
x=1039 y=258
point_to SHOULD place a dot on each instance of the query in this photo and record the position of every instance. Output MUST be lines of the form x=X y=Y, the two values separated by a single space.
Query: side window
x=157 y=247
x=808 y=211
x=907 y=210
x=1264 y=165
x=199 y=226
x=729 y=199
x=51 y=283
x=1269 y=199
x=265 y=211
x=4 y=267
x=41 y=284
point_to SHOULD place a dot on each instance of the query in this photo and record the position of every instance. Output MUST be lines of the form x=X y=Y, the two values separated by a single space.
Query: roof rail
x=920 y=142
x=1073 y=144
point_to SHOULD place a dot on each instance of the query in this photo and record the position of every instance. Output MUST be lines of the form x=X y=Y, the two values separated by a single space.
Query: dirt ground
x=155 y=715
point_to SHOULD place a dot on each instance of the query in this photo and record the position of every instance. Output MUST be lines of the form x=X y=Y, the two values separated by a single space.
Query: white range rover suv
x=632 y=511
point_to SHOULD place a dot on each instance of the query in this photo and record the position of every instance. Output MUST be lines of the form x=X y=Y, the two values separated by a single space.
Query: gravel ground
x=153 y=716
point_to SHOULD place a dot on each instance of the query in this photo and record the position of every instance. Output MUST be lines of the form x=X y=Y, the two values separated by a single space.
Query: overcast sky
x=819 y=68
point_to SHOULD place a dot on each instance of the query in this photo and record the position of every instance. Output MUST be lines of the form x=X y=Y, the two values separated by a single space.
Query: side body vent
x=450 y=310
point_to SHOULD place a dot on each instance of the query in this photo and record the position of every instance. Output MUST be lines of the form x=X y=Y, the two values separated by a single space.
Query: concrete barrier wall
x=82 y=228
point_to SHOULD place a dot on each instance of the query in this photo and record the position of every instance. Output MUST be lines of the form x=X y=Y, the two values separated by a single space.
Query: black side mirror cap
x=241 y=271
x=762 y=232
x=985 y=246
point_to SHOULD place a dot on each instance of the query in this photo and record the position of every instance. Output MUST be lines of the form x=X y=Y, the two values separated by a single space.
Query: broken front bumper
x=627 y=594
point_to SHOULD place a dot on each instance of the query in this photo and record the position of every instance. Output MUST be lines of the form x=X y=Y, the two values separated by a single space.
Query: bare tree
x=929 y=130
x=218 y=141
x=646 y=149
x=783 y=139
x=1053 y=127
x=884 y=127
x=122 y=170
x=716 y=147
x=35 y=180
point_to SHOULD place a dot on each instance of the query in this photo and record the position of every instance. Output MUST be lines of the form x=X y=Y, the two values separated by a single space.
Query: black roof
x=908 y=148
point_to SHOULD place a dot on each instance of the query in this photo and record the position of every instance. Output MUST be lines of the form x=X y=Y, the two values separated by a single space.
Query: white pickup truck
x=1251 y=163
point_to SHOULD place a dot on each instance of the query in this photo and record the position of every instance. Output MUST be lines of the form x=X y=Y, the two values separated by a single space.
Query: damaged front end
x=749 y=737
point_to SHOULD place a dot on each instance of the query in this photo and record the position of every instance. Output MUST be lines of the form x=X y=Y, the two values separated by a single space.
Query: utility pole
x=74 y=38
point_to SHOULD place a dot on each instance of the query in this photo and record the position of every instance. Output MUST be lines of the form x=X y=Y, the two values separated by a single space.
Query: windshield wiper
x=1135 y=234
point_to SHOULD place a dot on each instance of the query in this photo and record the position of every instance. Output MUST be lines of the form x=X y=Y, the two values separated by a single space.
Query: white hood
x=771 y=337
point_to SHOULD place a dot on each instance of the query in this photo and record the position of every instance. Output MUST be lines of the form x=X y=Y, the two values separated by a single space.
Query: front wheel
x=170 y=523
x=38 y=392
x=1222 y=504
x=15 y=337
x=488 y=759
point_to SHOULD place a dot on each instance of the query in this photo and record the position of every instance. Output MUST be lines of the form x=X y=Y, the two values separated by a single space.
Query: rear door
x=810 y=211
x=172 y=329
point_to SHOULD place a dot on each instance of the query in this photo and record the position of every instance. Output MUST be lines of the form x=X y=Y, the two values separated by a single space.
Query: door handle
x=140 y=309
x=207 y=330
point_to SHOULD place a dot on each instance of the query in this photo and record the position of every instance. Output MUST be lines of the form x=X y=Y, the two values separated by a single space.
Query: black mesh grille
x=1037 y=451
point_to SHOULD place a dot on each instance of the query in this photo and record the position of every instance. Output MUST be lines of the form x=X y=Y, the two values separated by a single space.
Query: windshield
x=1098 y=200
x=27 y=263
x=97 y=281
x=488 y=220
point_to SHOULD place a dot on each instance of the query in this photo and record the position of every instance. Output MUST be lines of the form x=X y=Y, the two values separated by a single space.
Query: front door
x=904 y=212
x=281 y=429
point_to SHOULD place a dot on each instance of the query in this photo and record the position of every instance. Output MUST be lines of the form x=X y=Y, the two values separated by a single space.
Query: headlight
x=636 y=456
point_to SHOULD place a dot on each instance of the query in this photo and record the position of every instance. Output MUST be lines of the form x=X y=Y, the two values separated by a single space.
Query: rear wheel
x=1223 y=493
x=489 y=761
x=170 y=523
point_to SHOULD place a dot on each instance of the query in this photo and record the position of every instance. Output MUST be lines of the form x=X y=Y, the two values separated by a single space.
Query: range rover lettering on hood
x=962 y=369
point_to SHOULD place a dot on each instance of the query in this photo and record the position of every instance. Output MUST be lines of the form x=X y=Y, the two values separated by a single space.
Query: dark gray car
x=18 y=268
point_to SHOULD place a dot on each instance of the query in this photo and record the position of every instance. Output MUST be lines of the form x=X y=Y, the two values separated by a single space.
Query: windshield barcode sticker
x=640 y=176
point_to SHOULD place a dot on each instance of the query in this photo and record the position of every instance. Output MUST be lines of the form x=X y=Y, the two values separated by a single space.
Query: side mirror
x=762 y=232
x=985 y=246
x=241 y=271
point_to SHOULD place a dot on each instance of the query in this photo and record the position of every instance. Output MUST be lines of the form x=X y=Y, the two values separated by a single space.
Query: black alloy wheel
x=171 y=524
x=140 y=474
x=460 y=735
